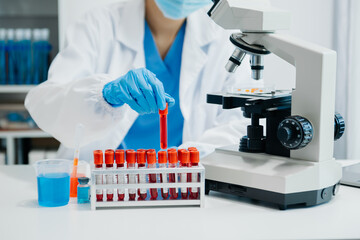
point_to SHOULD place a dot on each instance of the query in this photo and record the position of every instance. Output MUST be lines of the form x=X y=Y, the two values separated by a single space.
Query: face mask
x=177 y=9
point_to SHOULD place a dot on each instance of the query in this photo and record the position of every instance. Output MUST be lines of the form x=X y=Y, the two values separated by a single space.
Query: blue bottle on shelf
x=11 y=56
x=23 y=56
x=36 y=53
x=83 y=190
x=2 y=56
x=26 y=58
x=42 y=48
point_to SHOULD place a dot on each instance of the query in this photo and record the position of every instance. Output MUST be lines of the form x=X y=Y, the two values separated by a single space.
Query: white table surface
x=224 y=217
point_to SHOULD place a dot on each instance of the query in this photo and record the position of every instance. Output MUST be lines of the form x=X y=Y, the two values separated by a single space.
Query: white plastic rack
x=147 y=203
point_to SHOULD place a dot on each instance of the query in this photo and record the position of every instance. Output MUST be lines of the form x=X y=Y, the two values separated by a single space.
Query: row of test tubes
x=142 y=159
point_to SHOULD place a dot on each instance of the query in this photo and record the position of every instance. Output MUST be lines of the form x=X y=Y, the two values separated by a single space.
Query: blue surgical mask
x=177 y=9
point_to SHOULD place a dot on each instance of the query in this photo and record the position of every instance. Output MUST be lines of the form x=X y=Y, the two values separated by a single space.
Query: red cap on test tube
x=162 y=157
x=151 y=157
x=120 y=156
x=98 y=157
x=185 y=157
x=109 y=156
x=194 y=156
x=141 y=156
x=172 y=156
x=130 y=156
x=180 y=153
x=165 y=111
x=192 y=149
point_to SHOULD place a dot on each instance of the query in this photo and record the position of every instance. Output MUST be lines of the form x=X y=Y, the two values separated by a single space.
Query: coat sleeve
x=229 y=125
x=73 y=92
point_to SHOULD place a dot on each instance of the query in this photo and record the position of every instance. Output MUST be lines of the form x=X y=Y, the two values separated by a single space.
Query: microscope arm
x=314 y=96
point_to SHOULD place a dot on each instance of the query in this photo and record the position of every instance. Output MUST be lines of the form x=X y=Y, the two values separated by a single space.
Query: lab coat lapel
x=200 y=32
x=131 y=30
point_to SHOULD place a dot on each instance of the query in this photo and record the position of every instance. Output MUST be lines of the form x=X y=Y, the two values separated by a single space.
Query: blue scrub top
x=145 y=132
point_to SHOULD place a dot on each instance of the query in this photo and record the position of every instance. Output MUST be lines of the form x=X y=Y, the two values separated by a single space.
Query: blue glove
x=140 y=89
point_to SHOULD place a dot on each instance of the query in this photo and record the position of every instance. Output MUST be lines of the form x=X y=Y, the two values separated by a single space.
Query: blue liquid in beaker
x=53 y=189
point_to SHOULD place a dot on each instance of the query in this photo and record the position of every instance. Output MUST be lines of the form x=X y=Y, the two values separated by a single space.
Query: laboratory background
x=330 y=23
x=33 y=33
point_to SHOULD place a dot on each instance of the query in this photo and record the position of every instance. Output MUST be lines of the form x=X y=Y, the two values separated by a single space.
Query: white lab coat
x=105 y=45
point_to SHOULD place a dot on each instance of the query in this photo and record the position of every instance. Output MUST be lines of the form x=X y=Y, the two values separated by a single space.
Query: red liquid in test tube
x=151 y=159
x=120 y=164
x=141 y=160
x=109 y=161
x=184 y=177
x=189 y=176
x=180 y=151
x=173 y=161
x=98 y=161
x=131 y=160
x=163 y=176
x=194 y=159
x=163 y=127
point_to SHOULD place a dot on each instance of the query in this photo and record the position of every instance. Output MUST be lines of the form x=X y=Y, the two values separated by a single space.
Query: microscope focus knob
x=295 y=132
x=339 y=126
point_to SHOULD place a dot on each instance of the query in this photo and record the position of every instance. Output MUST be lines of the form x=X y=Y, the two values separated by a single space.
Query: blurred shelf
x=11 y=136
x=20 y=8
x=36 y=133
x=12 y=107
x=16 y=88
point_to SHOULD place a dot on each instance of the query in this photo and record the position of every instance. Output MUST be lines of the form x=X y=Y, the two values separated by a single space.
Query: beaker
x=53 y=180
x=82 y=170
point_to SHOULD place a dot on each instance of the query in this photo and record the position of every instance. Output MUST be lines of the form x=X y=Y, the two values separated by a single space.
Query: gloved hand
x=140 y=89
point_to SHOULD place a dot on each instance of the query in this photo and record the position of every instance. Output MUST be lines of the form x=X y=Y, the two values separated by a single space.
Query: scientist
x=123 y=62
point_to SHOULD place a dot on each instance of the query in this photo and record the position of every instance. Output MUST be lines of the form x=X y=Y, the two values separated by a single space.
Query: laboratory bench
x=224 y=217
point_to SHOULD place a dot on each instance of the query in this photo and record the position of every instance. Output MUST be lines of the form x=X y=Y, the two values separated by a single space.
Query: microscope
x=292 y=164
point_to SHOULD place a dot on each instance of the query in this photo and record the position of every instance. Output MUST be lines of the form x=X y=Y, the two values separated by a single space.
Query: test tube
x=189 y=176
x=173 y=161
x=163 y=176
x=109 y=162
x=141 y=160
x=120 y=160
x=185 y=161
x=163 y=127
x=194 y=159
x=131 y=160
x=151 y=159
x=179 y=152
x=98 y=161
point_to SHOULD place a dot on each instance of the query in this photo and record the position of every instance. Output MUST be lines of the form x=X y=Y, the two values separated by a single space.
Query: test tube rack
x=148 y=203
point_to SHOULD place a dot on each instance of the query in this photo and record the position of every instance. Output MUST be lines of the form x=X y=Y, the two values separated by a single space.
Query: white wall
x=312 y=20
x=70 y=10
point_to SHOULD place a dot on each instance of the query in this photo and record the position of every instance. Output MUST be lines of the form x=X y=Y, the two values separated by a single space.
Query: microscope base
x=283 y=201
x=282 y=181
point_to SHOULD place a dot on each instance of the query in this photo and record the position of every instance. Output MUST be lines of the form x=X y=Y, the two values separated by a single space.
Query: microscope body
x=293 y=164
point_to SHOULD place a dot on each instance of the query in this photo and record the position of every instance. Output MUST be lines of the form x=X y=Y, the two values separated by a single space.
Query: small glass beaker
x=82 y=170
